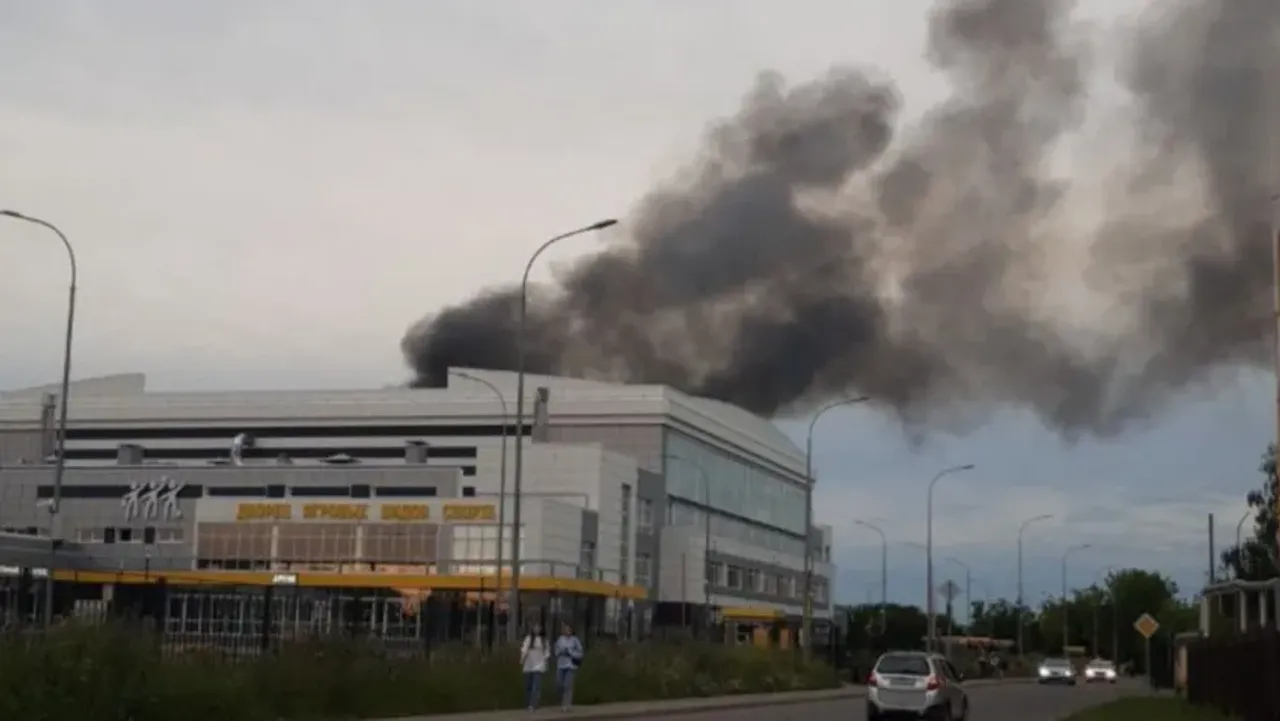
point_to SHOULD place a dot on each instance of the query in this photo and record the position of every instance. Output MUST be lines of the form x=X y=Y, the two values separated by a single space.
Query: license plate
x=902 y=682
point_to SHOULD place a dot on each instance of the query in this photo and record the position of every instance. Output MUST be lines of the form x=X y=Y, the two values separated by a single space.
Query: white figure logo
x=152 y=500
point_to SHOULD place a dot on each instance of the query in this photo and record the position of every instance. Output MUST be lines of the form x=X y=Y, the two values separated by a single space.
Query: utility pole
x=1021 y=530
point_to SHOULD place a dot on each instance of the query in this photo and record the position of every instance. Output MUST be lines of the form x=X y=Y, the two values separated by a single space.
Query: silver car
x=1100 y=671
x=914 y=684
x=1057 y=670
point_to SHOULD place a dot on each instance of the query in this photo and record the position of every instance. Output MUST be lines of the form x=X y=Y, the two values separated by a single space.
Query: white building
x=618 y=479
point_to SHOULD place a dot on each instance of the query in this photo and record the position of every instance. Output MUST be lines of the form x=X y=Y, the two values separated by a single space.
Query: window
x=735 y=485
x=644 y=569
x=752 y=580
x=715 y=573
x=770 y=584
x=680 y=513
x=734 y=579
x=645 y=506
x=478 y=544
x=903 y=665
x=587 y=560
x=468 y=491
x=624 y=548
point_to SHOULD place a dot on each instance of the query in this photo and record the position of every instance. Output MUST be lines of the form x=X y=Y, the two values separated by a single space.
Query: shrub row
x=118 y=673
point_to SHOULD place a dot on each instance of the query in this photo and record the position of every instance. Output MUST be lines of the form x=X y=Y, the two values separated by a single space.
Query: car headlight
x=1111 y=674
x=1044 y=672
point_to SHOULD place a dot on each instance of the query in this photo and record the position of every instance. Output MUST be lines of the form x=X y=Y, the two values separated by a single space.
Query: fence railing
x=1236 y=674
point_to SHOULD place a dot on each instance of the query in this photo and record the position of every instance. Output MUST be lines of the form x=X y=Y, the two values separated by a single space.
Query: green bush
x=118 y=673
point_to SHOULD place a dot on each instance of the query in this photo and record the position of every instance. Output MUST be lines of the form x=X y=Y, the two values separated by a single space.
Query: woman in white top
x=534 y=652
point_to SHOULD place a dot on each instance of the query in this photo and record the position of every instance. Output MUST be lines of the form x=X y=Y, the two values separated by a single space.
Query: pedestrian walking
x=569 y=652
x=533 y=659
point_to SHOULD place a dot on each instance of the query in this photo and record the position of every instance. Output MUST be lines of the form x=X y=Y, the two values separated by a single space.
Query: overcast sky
x=266 y=194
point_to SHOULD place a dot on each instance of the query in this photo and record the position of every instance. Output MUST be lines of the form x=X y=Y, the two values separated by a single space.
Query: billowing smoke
x=817 y=249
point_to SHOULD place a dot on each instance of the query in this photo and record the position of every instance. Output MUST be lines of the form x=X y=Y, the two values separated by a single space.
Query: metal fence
x=248 y=620
x=1236 y=674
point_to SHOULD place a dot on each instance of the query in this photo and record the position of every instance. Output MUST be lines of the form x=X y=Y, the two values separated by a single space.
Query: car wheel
x=964 y=710
x=871 y=713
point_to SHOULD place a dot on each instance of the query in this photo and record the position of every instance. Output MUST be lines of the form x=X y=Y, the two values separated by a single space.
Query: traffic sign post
x=1147 y=625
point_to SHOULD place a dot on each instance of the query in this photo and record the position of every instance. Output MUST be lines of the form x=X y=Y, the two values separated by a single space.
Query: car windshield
x=904 y=665
x=1056 y=663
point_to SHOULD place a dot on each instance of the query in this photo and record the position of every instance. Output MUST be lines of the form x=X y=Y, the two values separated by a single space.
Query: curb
x=673 y=707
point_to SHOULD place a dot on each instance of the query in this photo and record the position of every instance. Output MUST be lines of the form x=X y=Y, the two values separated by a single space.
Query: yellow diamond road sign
x=1146 y=625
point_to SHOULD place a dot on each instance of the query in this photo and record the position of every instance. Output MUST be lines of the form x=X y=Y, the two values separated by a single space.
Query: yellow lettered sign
x=336 y=511
x=405 y=512
x=470 y=512
x=264 y=512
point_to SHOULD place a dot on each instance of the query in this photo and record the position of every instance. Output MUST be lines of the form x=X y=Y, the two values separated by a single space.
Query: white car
x=1057 y=670
x=1100 y=671
x=914 y=684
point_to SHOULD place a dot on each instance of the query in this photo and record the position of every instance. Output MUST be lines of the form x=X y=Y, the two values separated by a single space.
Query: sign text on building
x=405 y=512
x=264 y=512
x=470 y=512
x=336 y=511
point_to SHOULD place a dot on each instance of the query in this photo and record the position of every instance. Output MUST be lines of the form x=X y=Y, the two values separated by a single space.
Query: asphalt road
x=1016 y=702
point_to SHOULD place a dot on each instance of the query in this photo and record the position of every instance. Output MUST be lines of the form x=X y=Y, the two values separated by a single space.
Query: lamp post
x=521 y=343
x=884 y=571
x=1066 y=641
x=502 y=492
x=1021 y=530
x=706 y=536
x=928 y=544
x=807 y=621
x=60 y=460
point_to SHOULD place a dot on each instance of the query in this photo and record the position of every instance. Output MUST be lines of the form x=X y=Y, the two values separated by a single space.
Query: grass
x=118 y=673
x=1149 y=708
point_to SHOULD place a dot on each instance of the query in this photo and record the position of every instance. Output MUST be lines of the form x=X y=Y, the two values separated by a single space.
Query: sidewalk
x=674 y=706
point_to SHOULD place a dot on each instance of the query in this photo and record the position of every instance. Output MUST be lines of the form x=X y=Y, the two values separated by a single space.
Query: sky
x=267 y=194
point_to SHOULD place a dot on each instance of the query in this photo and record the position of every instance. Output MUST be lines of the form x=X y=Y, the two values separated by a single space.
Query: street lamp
x=968 y=584
x=1065 y=555
x=1240 y=566
x=502 y=491
x=1021 y=530
x=521 y=343
x=884 y=571
x=807 y=623
x=59 y=461
x=928 y=543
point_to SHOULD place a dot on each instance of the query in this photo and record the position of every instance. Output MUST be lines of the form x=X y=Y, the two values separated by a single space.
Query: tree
x=994 y=619
x=903 y=627
x=1254 y=559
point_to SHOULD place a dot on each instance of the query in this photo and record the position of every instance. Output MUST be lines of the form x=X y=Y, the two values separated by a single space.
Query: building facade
x=698 y=503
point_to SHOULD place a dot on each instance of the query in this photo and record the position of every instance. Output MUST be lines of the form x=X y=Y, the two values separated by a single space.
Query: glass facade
x=736 y=486
x=683 y=514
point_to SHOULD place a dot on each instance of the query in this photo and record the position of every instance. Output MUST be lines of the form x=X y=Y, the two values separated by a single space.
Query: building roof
x=123 y=400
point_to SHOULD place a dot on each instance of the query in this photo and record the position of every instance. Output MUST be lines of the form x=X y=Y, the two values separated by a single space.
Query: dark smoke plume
x=814 y=250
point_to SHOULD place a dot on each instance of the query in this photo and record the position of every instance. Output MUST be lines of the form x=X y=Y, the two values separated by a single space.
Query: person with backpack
x=569 y=652
x=534 y=652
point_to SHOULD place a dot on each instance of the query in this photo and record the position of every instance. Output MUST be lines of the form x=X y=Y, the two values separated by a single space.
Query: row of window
x=189 y=491
x=149 y=535
x=706 y=475
x=683 y=514
x=784 y=585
